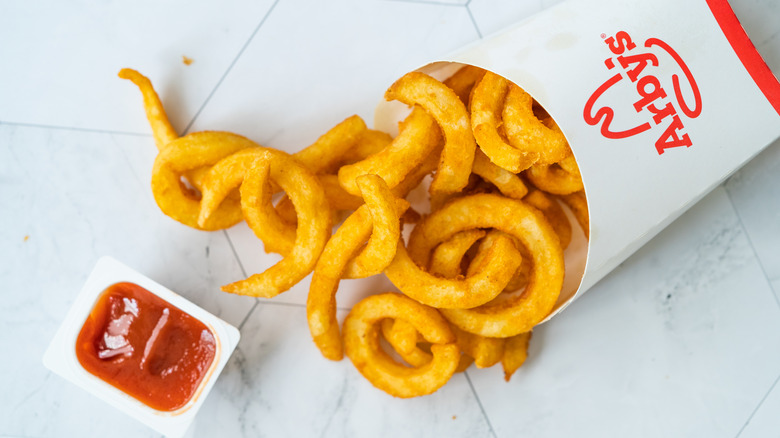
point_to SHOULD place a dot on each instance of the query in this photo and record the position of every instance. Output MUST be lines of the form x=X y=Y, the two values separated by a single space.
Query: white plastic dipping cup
x=660 y=102
x=61 y=358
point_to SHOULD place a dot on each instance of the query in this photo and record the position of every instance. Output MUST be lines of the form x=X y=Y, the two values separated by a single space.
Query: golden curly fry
x=447 y=258
x=361 y=345
x=321 y=301
x=487 y=102
x=554 y=214
x=569 y=164
x=417 y=138
x=486 y=352
x=312 y=231
x=452 y=117
x=578 y=204
x=519 y=313
x=553 y=178
x=195 y=151
x=370 y=143
x=385 y=231
x=345 y=244
x=488 y=280
x=464 y=363
x=403 y=337
x=325 y=154
x=342 y=143
x=482 y=249
x=527 y=133
x=410 y=217
x=228 y=174
x=164 y=133
x=338 y=199
x=224 y=176
x=515 y=353
x=463 y=81
x=254 y=170
x=506 y=182
x=521 y=275
x=416 y=176
x=405 y=340
x=161 y=127
x=179 y=201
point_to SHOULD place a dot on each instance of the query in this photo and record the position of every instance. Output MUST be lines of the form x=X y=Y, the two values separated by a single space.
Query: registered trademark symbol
x=603 y=35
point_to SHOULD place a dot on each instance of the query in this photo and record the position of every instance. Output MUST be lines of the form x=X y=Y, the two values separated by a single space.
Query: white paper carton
x=660 y=102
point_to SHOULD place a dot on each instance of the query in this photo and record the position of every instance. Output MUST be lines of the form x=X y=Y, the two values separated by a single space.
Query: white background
x=683 y=339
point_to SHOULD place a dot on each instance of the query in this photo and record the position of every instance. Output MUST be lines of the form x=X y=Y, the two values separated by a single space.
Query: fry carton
x=660 y=102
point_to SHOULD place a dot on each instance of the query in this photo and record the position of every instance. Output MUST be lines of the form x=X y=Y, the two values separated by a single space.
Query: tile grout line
x=195 y=117
x=479 y=403
x=774 y=295
x=73 y=128
x=248 y=314
x=243 y=272
x=230 y=67
x=473 y=20
x=752 y=247
x=235 y=253
x=127 y=159
x=752 y=414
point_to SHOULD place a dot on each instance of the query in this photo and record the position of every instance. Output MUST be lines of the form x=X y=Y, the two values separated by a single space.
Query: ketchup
x=147 y=348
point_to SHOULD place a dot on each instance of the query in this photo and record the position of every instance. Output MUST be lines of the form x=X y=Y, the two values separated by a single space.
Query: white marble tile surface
x=755 y=192
x=681 y=340
x=60 y=59
x=488 y=21
x=763 y=423
x=349 y=50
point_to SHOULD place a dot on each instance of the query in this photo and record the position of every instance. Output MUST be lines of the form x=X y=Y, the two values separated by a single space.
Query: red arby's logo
x=657 y=106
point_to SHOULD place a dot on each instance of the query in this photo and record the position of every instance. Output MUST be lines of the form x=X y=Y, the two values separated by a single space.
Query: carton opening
x=462 y=78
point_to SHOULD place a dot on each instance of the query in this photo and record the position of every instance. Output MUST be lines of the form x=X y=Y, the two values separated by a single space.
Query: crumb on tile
x=26 y=238
x=186 y=60
x=454 y=417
